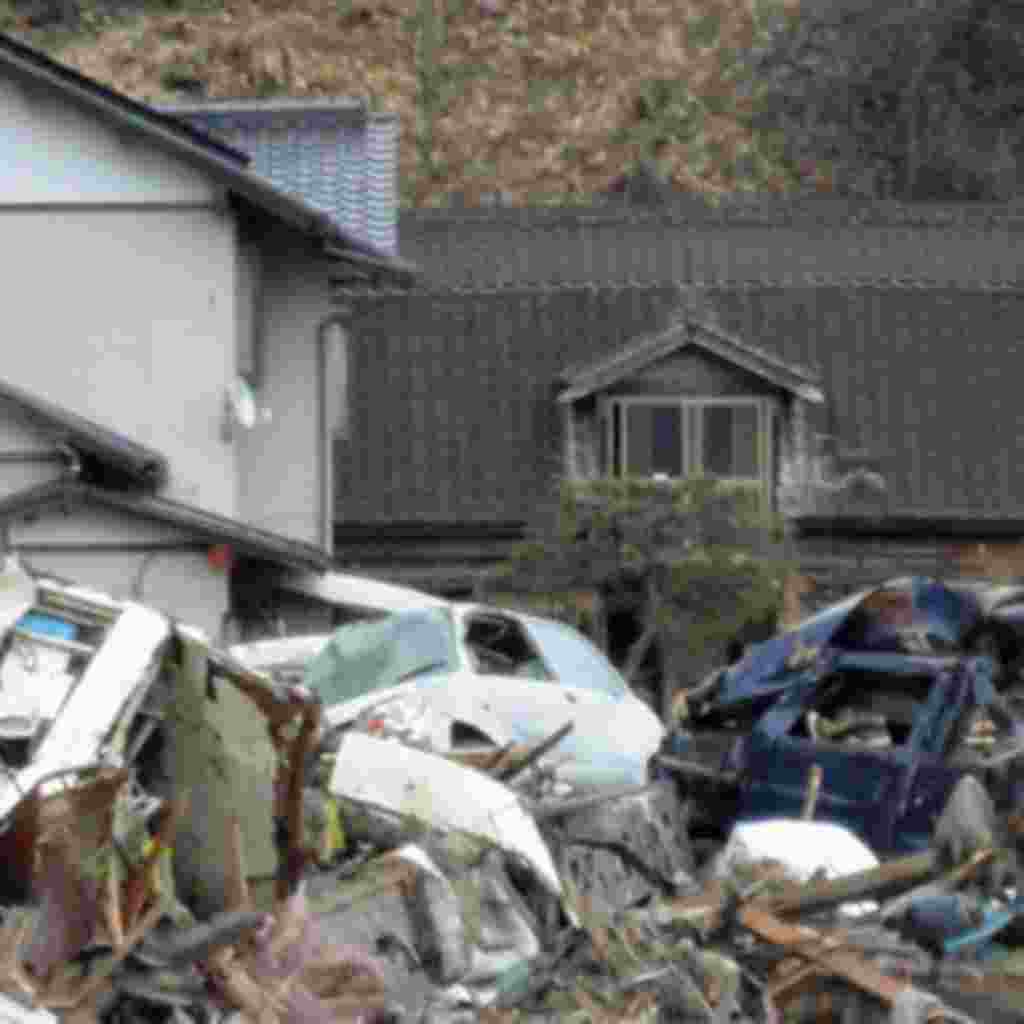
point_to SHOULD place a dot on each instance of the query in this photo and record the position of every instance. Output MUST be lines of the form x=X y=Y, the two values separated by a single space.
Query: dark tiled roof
x=206 y=527
x=105 y=455
x=741 y=208
x=223 y=163
x=745 y=240
x=456 y=418
x=689 y=327
x=926 y=382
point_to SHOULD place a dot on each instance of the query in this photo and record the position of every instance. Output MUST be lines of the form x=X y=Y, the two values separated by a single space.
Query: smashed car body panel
x=530 y=676
x=441 y=794
x=473 y=674
x=71 y=672
x=97 y=783
x=909 y=616
x=889 y=734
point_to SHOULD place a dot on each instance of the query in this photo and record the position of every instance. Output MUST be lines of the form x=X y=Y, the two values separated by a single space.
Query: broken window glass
x=865 y=709
x=499 y=646
x=365 y=656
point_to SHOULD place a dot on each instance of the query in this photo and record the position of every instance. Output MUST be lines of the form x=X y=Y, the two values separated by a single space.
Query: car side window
x=858 y=709
x=500 y=646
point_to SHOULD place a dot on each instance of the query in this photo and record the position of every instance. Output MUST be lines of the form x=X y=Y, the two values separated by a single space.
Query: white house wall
x=53 y=154
x=280 y=482
x=26 y=456
x=127 y=557
x=127 y=317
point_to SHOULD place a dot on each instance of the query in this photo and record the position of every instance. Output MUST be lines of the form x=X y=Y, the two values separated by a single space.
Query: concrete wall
x=281 y=459
x=127 y=558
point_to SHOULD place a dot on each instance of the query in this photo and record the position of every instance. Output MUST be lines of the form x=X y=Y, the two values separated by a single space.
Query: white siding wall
x=83 y=547
x=19 y=438
x=280 y=485
x=127 y=317
x=51 y=153
x=127 y=300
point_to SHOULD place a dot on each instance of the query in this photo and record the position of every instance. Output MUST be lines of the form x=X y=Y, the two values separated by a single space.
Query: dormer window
x=692 y=400
x=657 y=436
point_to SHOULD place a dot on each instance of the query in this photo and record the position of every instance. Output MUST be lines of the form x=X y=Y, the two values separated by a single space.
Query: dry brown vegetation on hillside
x=533 y=99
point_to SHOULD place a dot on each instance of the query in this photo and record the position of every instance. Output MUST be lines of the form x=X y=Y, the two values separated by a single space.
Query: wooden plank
x=897 y=874
x=823 y=894
x=825 y=950
x=811 y=796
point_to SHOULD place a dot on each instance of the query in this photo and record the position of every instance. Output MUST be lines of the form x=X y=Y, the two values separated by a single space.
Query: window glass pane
x=717 y=455
x=744 y=450
x=638 y=440
x=654 y=440
x=730 y=440
x=574 y=659
x=667 y=455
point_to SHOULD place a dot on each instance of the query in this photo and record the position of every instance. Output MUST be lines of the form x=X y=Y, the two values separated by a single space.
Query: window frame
x=487 y=617
x=692 y=448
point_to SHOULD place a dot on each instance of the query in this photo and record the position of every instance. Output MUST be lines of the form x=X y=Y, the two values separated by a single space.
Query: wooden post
x=811 y=796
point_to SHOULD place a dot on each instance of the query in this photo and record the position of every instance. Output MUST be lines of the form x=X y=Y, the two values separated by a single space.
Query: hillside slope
x=537 y=101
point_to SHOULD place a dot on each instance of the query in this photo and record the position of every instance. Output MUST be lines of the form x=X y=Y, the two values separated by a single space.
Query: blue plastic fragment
x=992 y=924
x=47 y=625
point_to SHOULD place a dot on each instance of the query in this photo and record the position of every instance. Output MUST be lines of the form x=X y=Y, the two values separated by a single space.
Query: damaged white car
x=451 y=675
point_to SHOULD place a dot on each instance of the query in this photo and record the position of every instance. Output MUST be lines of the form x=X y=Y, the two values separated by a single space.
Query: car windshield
x=574 y=659
x=362 y=657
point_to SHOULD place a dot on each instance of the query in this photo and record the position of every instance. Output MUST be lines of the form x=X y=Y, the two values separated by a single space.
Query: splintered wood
x=824 y=953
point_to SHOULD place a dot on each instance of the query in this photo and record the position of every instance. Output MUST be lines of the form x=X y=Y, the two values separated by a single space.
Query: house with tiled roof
x=168 y=400
x=855 y=359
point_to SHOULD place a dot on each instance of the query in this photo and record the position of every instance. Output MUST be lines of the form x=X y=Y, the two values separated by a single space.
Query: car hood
x=868 y=621
x=611 y=742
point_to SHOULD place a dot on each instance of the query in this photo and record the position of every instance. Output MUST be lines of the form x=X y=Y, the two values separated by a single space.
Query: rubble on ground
x=186 y=842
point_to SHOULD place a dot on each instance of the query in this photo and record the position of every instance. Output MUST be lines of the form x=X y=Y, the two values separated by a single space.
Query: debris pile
x=190 y=839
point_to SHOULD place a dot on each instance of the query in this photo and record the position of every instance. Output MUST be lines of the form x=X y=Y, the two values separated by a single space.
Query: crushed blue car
x=875 y=692
x=911 y=616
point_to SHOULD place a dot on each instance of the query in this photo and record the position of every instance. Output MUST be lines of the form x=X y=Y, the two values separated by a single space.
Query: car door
x=507 y=674
x=947 y=746
x=860 y=787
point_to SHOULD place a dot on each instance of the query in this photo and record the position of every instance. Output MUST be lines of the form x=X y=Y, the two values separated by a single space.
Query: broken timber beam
x=824 y=951
x=898 y=874
x=893 y=876
x=811 y=797
x=693 y=770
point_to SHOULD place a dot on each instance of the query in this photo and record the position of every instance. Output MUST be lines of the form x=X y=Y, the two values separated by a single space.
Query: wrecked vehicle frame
x=871 y=699
x=469 y=675
x=101 y=706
